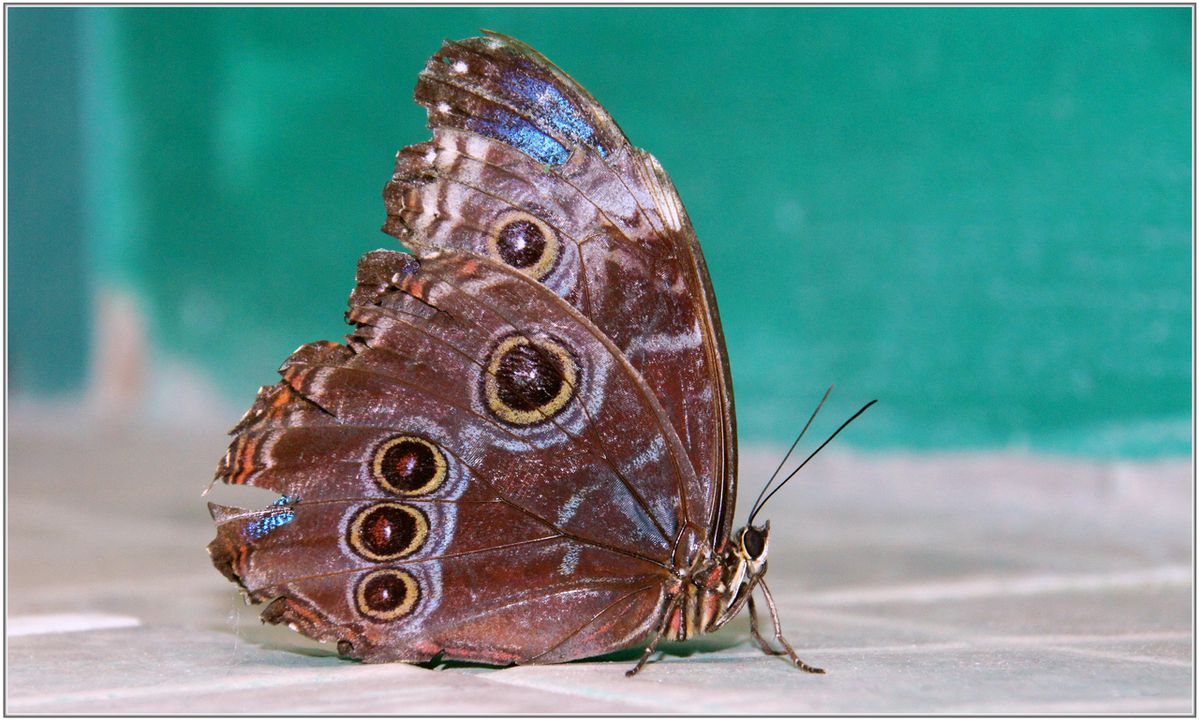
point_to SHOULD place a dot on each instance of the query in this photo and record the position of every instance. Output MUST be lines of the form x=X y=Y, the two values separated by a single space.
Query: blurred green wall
x=49 y=289
x=981 y=216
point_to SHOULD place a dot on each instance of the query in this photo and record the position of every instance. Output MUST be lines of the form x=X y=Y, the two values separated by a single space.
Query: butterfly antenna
x=790 y=450
x=791 y=475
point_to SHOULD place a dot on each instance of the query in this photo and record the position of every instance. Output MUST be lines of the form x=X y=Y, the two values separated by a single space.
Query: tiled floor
x=935 y=584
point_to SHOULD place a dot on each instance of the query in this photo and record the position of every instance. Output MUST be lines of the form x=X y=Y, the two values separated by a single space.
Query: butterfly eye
x=409 y=466
x=527 y=382
x=387 y=594
x=753 y=542
x=387 y=531
x=524 y=242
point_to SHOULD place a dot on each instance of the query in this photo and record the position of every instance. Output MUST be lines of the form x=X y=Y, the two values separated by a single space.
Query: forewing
x=527 y=168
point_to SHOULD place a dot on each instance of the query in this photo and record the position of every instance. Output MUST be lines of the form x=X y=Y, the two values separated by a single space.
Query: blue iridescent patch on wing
x=522 y=135
x=274 y=519
x=556 y=109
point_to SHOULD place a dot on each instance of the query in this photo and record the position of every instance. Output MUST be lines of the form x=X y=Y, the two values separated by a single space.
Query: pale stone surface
x=956 y=583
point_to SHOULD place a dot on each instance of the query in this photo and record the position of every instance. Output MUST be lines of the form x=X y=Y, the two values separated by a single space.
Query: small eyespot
x=387 y=531
x=524 y=242
x=409 y=466
x=384 y=595
x=526 y=381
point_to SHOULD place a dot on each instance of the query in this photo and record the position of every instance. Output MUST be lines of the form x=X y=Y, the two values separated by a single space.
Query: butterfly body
x=525 y=452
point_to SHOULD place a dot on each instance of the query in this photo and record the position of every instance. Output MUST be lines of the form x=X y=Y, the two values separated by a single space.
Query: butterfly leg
x=753 y=629
x=778 y=631
x=674 y=603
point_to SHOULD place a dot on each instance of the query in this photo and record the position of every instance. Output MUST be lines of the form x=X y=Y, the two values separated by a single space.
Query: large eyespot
x=387 y=531
x=386 y=595
x=409 y=466
x=529 y=381
x=524 y=242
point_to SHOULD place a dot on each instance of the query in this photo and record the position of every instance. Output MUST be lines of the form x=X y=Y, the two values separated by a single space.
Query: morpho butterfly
x=526 y=451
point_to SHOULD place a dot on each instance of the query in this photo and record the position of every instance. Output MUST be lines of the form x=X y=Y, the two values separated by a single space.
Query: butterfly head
x=742 y=566
x=752 y=544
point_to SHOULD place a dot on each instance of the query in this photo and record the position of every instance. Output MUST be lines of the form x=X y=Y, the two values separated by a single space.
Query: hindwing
x=478 y=472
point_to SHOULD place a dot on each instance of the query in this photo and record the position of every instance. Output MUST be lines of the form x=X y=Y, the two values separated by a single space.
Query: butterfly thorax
x=720 y=584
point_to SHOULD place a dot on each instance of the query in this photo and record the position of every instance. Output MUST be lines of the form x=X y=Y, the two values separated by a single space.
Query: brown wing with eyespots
x=478 y=472
x=527 y=168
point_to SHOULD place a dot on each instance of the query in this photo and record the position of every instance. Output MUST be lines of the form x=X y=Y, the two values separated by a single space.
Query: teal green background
x=981 y=216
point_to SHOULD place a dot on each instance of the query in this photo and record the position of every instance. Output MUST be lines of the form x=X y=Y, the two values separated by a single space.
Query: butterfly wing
x=527 y=168
x=478 y=472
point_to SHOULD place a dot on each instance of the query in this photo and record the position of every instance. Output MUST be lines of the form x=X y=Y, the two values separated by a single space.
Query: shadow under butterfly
x=525 y=451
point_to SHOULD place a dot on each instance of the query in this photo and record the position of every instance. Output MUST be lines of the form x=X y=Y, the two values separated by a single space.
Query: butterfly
x=525 y=451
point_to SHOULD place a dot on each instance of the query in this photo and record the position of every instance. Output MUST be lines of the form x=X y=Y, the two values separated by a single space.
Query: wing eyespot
x=409 y=465
x=387 y=531
x=525 y=242
x=527 y=381
x=385 y=595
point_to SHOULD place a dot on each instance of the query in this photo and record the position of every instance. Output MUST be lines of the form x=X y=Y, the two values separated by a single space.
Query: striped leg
x=674 y=603
x=753 y=629
x=778 y=630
